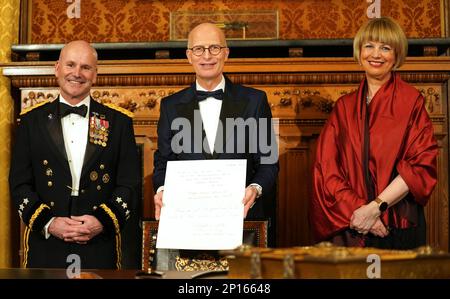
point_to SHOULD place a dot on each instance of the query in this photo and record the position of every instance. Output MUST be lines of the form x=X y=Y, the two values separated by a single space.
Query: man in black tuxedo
x=74 y=172
x=215 y=102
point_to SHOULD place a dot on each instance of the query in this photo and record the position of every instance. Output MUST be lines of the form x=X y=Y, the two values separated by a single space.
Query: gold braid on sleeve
x=118 y=237
x=36 y=214
x=113 y=217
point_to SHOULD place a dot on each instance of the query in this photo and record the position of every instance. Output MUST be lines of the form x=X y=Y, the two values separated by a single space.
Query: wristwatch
x=382 y=205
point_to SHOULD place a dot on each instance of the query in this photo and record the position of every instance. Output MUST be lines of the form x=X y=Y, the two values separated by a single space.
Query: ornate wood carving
x=250 y=79
x=432 y=99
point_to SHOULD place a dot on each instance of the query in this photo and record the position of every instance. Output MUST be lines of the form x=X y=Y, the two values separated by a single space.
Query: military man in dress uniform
x=74 y=171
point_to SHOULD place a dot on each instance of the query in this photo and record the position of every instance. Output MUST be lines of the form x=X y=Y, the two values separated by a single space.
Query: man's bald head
x=206 y=27
x=79 y=45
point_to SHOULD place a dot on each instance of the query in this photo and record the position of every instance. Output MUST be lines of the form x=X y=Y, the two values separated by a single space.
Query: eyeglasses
x=213 y=50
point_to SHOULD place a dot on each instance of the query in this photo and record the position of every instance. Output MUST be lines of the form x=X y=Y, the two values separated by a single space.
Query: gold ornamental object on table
x=328 y=261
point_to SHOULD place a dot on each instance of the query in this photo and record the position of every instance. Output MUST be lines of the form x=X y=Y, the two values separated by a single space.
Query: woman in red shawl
x=375 y=165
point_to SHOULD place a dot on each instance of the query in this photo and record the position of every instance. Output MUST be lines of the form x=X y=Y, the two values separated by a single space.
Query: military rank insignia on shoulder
x=28 y=109
x=120 y=109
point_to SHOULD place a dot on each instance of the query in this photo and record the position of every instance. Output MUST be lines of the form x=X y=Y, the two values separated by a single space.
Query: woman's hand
x=365 y=217
x=378 y=229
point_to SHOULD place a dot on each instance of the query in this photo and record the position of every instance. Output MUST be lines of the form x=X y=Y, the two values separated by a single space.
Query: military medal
x=92 y=129
x=98 y=129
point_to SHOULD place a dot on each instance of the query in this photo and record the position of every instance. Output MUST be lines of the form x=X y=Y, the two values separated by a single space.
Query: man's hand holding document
x=202 y=207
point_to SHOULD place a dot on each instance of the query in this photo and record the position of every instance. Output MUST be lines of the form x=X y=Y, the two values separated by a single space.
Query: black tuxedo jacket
x=239 y=102
x=40 y=183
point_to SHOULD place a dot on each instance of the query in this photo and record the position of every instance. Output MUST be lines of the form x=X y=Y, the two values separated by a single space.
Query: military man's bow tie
x=202 y=95
x=65 y=110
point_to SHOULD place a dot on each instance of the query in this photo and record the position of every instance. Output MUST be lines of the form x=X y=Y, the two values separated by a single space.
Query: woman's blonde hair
x=384 y=30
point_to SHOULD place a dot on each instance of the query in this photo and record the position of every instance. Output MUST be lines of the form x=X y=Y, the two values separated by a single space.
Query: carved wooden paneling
x=301 y=93
x=437 y=210
x=293 y=190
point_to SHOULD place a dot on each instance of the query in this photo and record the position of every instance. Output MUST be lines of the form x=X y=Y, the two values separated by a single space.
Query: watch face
x=383 y=206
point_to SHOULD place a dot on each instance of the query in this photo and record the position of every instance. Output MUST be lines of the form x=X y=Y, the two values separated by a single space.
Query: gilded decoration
x=285 y=101
x=32 y=98
x=324 y=260
x=292 y=100
x=201 y=262
x=140 y=101
x=313 y=99
x=143 y=21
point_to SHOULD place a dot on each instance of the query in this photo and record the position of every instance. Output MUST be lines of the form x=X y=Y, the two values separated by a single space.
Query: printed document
x=202 y=205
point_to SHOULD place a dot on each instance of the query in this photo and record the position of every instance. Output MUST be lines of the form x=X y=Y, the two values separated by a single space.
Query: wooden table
x=20 y=273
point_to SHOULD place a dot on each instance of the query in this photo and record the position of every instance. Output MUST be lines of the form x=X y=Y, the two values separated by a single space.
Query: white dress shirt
x=210 y=113
x=75 y=131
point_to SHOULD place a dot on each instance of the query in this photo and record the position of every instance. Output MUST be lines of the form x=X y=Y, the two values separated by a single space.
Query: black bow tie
x=65 y=110
x=202 y=95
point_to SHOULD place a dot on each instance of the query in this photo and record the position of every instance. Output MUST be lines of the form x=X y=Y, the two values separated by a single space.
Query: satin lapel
x=53 y=126
x=232 y=107
x=94 y=150
x=189 y=109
